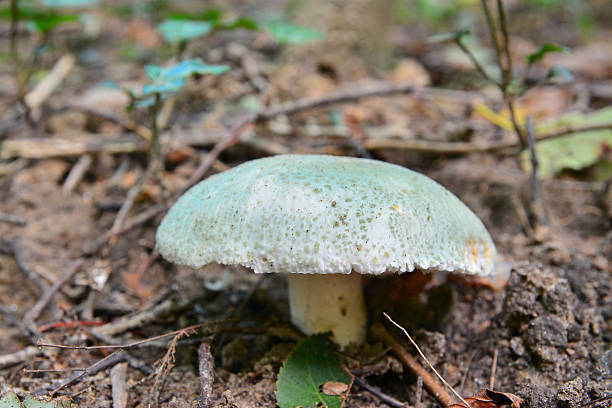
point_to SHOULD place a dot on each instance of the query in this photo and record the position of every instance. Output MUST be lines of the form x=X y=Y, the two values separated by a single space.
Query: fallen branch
x=426 y=360
x=387 y=399
x=106 y=362
x=45 y=88
x=207 y=375
x=118 y=376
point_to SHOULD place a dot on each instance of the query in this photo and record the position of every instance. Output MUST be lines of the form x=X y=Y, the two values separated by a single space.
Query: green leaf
x=10 y=400
x=547 y=48
x=312 y=363
x=240 y=22
x=175 y=31
x=172 y=79
x=46 y=23
x=575 y=151
x=287 y=33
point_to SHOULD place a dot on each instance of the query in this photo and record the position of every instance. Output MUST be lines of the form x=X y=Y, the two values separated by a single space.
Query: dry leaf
x=490 y=399
x=334 y=388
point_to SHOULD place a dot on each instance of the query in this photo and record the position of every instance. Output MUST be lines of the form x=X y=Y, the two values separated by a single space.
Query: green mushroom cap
x=325 y=214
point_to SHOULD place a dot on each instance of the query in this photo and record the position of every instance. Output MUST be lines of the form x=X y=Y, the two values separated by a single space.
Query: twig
x=419 y=392
x=129 y=224
x=17 y=357
x=131 y=197
x=492 y=32
x=120 y=346
x=387 y=399
x=207 y=375
x=493 y=368
x=474 y=61
x=136 y=320
x=13 y=249
x=27 y=328
x=76 y=174
x=507 y=70
x=45 y=88
x=118 y=383
x=106 y=362
x=537 y=206
x=12 y=219
x=209 y=158
x=47 y=296
x=430 y=382
x=335 y=98
x=427 y=361
x=35 y=148
x=166 y=364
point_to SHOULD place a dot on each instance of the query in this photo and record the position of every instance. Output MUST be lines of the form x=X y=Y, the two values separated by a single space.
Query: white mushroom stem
x=328 y=302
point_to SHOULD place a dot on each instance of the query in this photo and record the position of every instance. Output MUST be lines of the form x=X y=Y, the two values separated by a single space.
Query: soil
x=539 y=329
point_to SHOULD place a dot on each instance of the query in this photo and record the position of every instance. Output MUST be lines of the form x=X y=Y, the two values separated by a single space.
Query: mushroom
x=325 y=221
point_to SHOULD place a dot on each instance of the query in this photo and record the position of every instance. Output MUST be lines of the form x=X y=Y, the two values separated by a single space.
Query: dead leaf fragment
x=334 y=388
x=490 y=399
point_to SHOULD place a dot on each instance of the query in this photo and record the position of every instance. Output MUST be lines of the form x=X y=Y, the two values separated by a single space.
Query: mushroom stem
x=328 y=302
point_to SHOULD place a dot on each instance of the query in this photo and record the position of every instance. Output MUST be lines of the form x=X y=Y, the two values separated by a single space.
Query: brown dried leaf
x=334 y=388
x=490 y=399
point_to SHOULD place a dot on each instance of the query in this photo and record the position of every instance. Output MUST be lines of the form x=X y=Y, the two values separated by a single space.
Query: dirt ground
x=541 y=329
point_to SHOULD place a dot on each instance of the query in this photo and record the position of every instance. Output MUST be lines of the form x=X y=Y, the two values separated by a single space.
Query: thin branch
x=475 y=61
x=11 y=248
x=106 y=362
x=426 y=360
x=503 y=23
x=387 y=399
x=207 y=375
x=492 y=31
x=436 y=389
x=121 y=346
x=17 y=357
x=493 y=369
x=537 y=206
x=47 y=296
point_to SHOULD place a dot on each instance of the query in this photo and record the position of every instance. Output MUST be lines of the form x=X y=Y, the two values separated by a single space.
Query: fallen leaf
x=334 y=388
x=490 y=399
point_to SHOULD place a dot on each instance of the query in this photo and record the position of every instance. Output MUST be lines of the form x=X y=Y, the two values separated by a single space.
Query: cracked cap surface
x=325 y=214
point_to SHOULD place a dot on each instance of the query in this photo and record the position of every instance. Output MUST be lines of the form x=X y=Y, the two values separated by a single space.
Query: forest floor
x=540 y=329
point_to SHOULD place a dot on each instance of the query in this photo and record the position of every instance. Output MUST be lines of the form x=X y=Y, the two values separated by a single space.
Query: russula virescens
x=325 y=221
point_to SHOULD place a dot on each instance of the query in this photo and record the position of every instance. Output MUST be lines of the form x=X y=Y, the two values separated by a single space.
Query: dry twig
x=106 y=362
x=387 y=399
x=207 y=375
x=47 y=296
x=119 y=387
x=429 y=383
x=436 y=389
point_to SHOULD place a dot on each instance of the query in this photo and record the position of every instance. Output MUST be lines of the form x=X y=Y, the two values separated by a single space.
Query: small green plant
x=165 y=82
